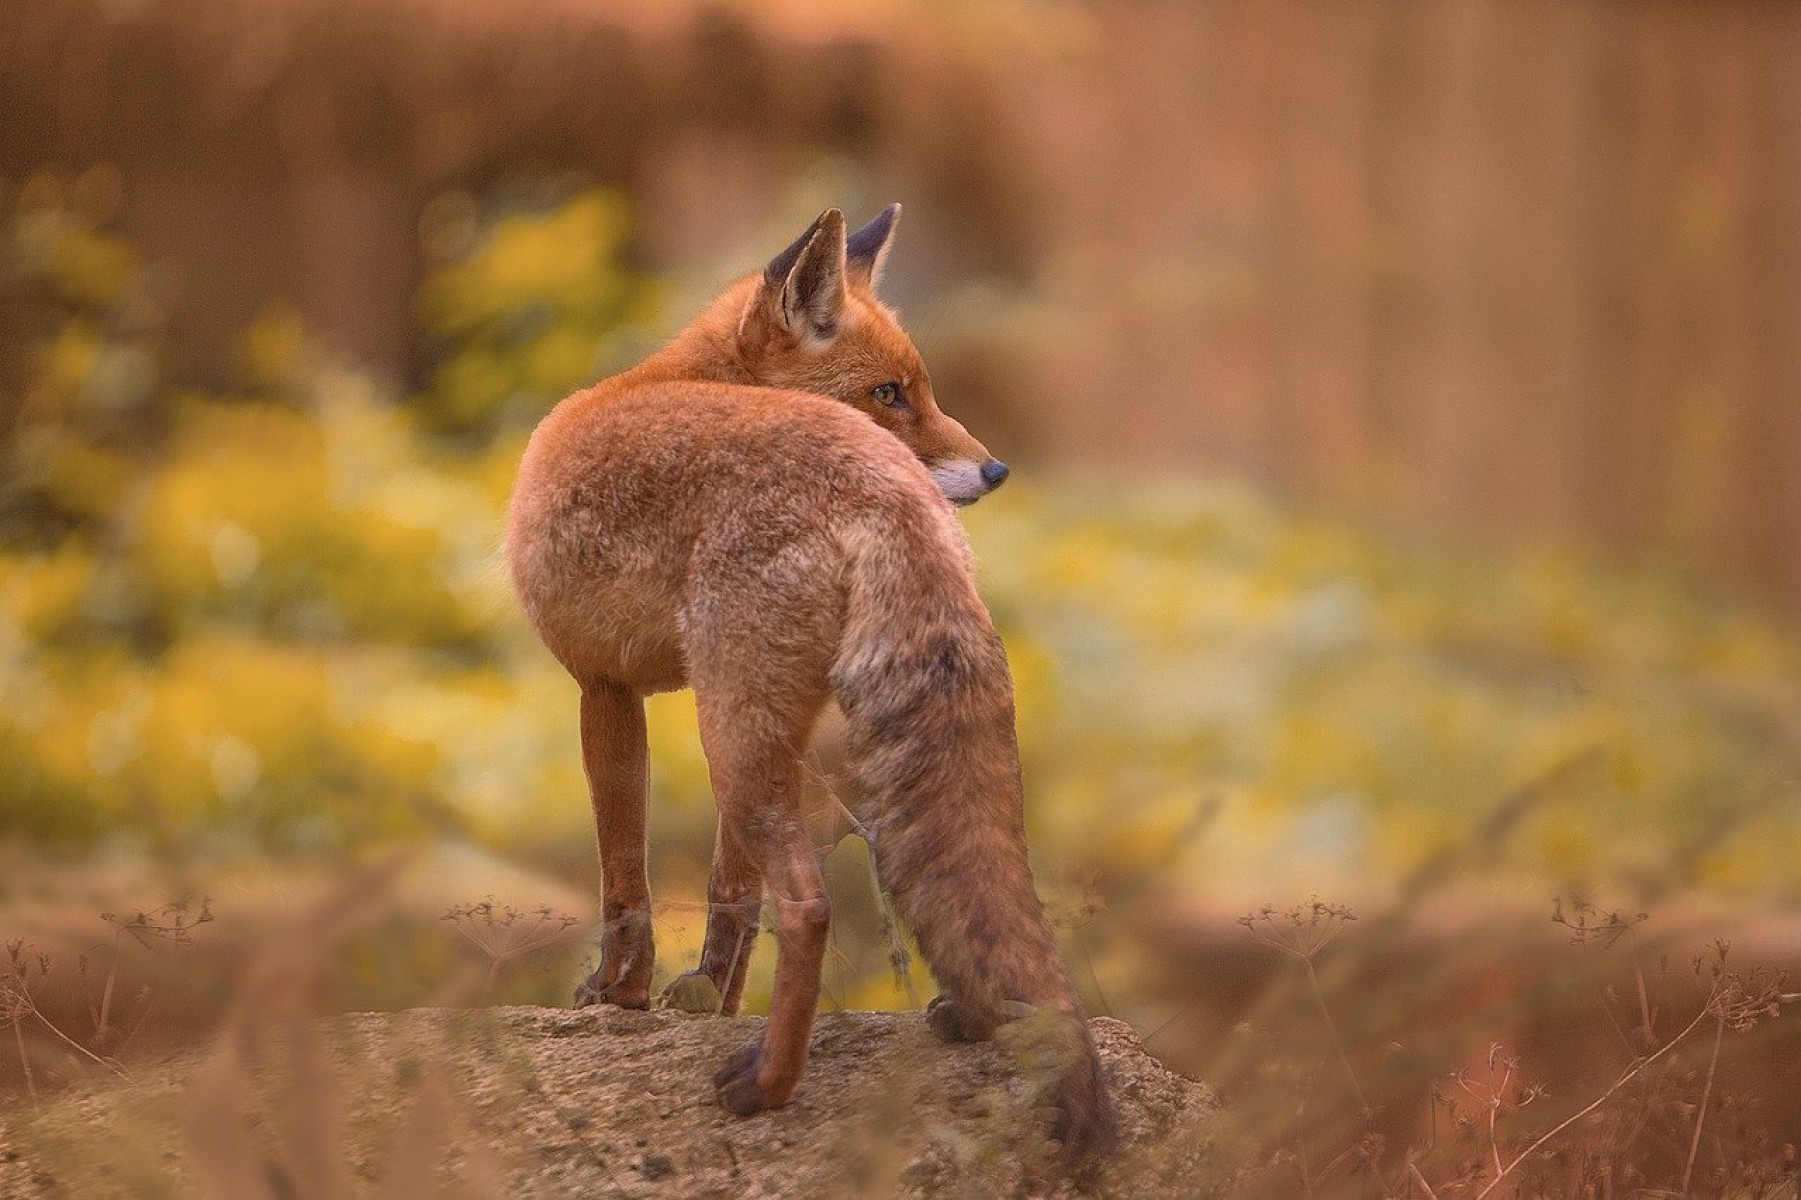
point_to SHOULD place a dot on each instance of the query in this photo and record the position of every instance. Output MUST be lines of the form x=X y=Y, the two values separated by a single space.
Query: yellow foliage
x=230 y=735
x=275 y=345
x=678 y=769
x=1378 y=697
x=70 y=357
x=561 y=257
x=250 y=515
x=88 y=480
x=42 y=595
x=91 y=266
x=282 y=621
x=531 y=309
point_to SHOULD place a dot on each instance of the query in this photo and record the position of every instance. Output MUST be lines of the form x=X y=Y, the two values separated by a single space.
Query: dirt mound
x=597 y=1102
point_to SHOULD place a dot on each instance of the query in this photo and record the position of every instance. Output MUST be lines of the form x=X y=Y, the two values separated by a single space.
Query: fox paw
x=946 y=1018
x=593 y=990
x=736 y=1083
x=692 y=992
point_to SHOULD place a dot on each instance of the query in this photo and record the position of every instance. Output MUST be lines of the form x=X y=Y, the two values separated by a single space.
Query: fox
x=763 y=510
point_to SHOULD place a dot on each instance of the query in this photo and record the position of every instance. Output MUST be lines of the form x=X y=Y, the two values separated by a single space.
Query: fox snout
x=966 y=481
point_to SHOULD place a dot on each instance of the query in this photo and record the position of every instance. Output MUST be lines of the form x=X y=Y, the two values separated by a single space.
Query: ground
x=595 y=1102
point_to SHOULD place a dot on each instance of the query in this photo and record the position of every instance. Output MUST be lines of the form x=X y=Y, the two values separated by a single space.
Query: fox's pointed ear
x=803 y=287
x=867 y=249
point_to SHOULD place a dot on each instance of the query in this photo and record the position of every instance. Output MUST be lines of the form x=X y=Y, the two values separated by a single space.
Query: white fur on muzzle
x=961 y=482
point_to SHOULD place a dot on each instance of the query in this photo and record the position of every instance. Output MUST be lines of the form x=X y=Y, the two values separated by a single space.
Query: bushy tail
x=923 y=682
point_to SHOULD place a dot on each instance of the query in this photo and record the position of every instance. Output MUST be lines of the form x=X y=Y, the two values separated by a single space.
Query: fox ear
x=867 y=249
x=803 y=286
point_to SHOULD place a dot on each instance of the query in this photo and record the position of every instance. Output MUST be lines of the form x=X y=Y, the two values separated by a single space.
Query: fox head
x=813 y=323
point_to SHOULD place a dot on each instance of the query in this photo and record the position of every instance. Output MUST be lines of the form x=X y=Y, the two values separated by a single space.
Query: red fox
x=758 y=511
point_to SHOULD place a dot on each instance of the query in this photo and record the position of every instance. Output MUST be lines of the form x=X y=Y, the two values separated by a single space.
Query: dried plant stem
x=1713 y=1066
x=1325 y=1011
x=31 y=1084
x=505 y=938
x=898 y=956
x=1088 y=961
x=110 y=1065
x=493 y=974
x=1494 y=1110
x=1647 y=1015
x=1644 y=997
x=1630 y=1074
x=1179 y=1014
x=738 y=967
x=1424 y=1186
x=103 y=1021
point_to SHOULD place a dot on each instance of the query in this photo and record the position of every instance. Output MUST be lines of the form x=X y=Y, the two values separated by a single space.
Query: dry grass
x=1639 y=1110
x=452 y=1102
x=1650 y=1106
x=1375 y=1059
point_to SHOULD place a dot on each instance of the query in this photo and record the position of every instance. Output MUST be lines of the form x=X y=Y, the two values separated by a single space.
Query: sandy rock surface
x=596 y=1102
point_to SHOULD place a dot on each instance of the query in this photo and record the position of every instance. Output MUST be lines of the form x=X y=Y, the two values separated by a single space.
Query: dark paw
x=950 y=1022
x=593 y=991
x=955 y=1022
x=692 y=992
x=736 y=1082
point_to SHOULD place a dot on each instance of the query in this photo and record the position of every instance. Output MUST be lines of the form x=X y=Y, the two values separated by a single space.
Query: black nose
x=994 y=473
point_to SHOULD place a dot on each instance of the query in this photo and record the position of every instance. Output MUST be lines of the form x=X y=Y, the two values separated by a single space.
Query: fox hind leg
x=615 y=755
x=756 y=770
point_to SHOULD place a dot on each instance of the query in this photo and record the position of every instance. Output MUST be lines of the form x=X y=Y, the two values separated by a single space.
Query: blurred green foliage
x=276 y=620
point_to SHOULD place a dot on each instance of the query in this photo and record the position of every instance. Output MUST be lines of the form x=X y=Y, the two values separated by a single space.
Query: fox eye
x=890 y=394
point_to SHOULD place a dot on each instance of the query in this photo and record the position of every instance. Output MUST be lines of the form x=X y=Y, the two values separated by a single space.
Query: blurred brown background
x=1522 y=266
x=1407 y=402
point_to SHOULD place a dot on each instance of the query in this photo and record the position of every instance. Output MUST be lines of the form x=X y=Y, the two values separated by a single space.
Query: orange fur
x=749 y=512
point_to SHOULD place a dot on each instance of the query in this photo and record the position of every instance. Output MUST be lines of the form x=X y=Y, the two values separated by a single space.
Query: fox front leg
x=615 y=755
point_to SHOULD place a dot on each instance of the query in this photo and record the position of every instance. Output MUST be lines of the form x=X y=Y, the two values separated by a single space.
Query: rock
x=596 y=1102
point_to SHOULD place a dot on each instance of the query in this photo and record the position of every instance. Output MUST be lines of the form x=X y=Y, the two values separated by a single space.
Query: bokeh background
x=1405 y=408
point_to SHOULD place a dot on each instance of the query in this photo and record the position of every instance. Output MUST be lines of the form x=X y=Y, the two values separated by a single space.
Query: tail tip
x=1086 y=1125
